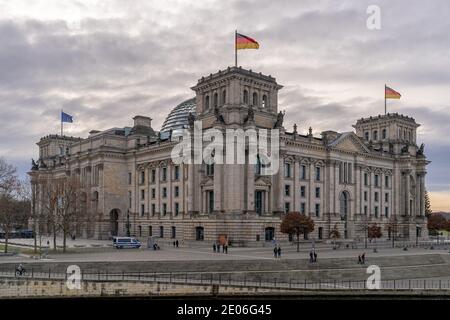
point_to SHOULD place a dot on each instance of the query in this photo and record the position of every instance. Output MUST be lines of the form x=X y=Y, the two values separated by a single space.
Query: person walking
x=275 y=252
x=363 y=258
x=225 y=247
x=177 y=243
x=279 y=252
x=315 y=256
x=214 y=247
x=359 y=259
x=311 y=257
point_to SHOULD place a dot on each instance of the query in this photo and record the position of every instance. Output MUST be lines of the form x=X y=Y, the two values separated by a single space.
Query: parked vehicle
x=126 y=243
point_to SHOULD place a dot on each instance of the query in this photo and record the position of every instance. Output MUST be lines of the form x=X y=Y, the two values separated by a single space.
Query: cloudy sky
x=106 y=61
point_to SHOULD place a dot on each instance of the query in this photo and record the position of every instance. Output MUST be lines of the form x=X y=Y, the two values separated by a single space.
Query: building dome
x=178 y=117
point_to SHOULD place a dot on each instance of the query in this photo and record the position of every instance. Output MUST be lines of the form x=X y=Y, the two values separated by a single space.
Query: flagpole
x=385 y=107
x=61 y=123
x=235 y=48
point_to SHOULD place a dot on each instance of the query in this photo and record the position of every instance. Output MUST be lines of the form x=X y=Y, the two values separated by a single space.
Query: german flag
x=391 y=93
x=244 y=42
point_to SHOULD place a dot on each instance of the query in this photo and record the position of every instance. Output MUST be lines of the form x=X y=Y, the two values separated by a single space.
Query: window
x=376 y=197
x=173 y=232
x=376 y=179
x=287 y=190
x=164 y=174
x=177 y=191
x=287 y=170
x=177 y=208
x=140 y=231
x=153 y=176
x=264 y=101
x=259 y=201
x=142 y=179
x=210 y=169
x=376 y=211
x=245 y=97
x=375 y=135
x=210 y=199
x=177 y=172
x=317 y=210
x=386 y=181
x=153 y=193
x=161 y=232
x=255 y=99
x=207 y=102
x=366 y=136
x=129 y=199
x=386 y=197
x=216 y=100
x=317 y=192
x=153 y=209
x=224 y=96
x=142 y=209
x=164 y=192
x=303 y=172
x=287 y=207
x=317 y=173
x=303 y=208
x=386 y=212
x=383 y=134
x=365 y=210
x=150 y=231
x=365 y=195
x=302 y=191
x=164 y=209
x=366 y=179
x=129 y=178
x=142 y=194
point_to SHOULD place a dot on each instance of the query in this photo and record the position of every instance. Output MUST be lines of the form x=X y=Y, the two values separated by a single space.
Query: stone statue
x=405 y=148
x=421 y=149
x=34 y=165
x=279 y=122
x=250 y=115
x=219 y=117
x=42 y=164
x=191 y=119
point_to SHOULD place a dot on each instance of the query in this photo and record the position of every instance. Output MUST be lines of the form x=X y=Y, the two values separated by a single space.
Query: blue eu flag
x=66 y=117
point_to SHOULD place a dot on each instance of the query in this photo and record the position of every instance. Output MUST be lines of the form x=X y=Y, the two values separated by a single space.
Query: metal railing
x=224 y=279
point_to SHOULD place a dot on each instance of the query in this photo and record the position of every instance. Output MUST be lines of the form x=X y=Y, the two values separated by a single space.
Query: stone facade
x=346 y=179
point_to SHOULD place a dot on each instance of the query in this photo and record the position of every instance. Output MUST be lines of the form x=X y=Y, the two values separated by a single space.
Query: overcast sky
x=106 y=61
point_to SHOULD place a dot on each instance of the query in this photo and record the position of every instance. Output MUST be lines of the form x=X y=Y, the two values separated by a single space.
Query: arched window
x=199 y=233
x=366 y=136
x=224 y=96
x=344 y=205
x=269 y=233
x=255 y=99
x=207 y=102
x=264 y=101
x=383 y=134
x=245 y=97
x=216 y=99
x=375 y=135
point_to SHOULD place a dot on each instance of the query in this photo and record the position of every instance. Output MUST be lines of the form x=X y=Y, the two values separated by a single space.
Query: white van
x=126 y=242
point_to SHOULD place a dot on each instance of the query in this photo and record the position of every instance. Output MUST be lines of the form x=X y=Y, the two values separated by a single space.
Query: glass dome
x=178 y=117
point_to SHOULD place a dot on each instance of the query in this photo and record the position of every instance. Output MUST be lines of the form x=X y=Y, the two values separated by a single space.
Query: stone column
x=407 y=192
x=250 y=205
x=218 y=174
x=296 y=187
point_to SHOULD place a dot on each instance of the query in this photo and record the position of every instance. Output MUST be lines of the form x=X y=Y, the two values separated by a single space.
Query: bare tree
x=392 y=227
x=335 y=234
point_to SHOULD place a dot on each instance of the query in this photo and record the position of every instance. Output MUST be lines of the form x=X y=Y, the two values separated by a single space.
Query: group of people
x=216 y=247
x=312 y=256
x=362 y=258
x=156 y=246
x=176 y=244
x=277 y=251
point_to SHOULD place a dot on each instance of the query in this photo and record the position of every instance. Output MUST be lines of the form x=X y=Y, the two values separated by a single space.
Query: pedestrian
x=359 y=259
x=315 y=256
x=363 y=258
x=177 y=243
x=279 y=252
x=173 y=244
x=226 y=248
x=275 y=252
x=311 y=257
x=214 y=247
x=218 y=248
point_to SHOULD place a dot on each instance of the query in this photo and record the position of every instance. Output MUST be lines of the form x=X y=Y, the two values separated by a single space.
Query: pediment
x=349 y=142
x=263 y=181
